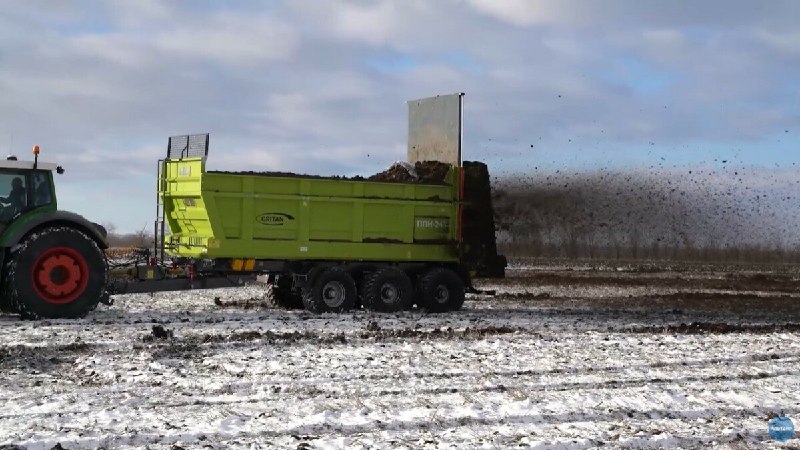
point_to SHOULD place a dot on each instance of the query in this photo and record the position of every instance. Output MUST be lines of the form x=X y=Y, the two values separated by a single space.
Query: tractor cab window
x=13 y=195
x=41 y=194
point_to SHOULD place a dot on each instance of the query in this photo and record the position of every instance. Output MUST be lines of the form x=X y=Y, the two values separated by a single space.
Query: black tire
x=57 y=272
x=331 y=290
x=6 y=305
x=388 y=289
x=440 y=290
x=282 y=294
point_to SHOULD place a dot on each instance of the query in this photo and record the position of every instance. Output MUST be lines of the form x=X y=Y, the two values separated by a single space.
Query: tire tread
x=439 y=275
x=22 y=305
x=371 y=289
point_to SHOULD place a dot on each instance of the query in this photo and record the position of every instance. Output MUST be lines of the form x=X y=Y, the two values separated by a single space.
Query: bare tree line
x=142 y=238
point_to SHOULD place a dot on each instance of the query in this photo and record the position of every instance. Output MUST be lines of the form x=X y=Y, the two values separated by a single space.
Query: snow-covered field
x=560 y=358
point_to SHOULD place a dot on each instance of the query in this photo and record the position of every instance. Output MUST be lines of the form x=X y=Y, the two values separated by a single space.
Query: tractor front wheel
x=57 y=272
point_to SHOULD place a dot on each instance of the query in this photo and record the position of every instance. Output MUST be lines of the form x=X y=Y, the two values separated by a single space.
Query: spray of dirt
x=638 y=214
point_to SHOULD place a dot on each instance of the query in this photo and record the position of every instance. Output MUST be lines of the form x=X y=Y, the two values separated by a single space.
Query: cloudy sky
x=320 y=86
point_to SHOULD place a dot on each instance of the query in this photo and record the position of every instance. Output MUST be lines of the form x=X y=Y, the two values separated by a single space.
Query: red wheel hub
x=60 y=275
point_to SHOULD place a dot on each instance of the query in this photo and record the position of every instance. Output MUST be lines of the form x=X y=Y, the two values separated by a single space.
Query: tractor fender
x=59 y=218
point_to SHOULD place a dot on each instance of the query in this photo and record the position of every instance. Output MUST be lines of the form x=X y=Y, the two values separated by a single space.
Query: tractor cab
x=25 y=186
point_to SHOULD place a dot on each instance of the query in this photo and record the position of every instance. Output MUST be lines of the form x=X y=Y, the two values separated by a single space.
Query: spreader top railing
x=188 y=146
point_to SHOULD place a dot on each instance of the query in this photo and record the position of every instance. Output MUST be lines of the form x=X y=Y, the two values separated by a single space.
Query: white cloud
x=786 y=42
x=665 y=38
x=231 y=38
x=267 y=158
x=144 y=13
x=294 y=111
x=521 y=12
x=117 y=49
x=373 y=23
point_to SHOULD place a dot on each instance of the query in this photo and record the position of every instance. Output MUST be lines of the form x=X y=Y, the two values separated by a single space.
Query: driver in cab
x=16 y=198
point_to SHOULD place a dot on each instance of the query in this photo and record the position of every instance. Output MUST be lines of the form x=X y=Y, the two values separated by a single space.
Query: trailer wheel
x=55 y=273
x=283 y=296
x=332 y=290
x=388 y=289
x=441 y=290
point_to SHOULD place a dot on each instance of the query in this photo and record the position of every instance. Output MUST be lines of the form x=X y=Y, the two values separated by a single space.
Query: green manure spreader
x=414 y=235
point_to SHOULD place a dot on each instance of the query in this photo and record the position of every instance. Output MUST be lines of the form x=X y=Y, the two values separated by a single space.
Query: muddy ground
x=565 y=355
x=695 y=291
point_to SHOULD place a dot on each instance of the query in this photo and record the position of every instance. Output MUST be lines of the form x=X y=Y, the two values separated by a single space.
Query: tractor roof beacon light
x=35 y=156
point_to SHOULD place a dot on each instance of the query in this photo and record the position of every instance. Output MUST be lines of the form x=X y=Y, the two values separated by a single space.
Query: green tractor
x=53 y=264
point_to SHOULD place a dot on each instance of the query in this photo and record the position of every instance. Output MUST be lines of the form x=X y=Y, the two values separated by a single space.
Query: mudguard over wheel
x=388 y=289
x=331 y=290
x=440 y=290
x=283 y=296
x=57 y=272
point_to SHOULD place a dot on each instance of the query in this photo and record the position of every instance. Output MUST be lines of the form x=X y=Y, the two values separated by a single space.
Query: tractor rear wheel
x=388 y=289
x=331 y=290
x=57 y=272
x=440 y=290
x=6 y=305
